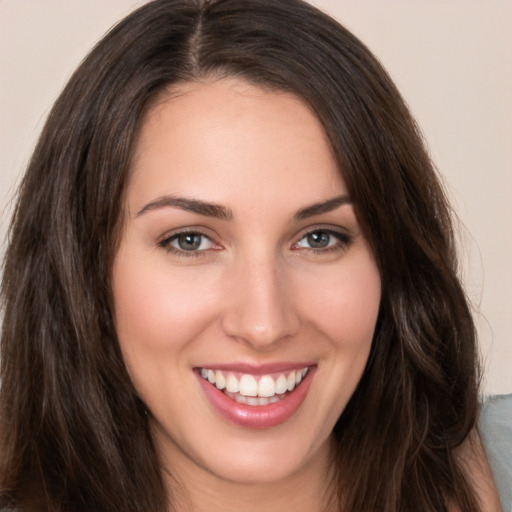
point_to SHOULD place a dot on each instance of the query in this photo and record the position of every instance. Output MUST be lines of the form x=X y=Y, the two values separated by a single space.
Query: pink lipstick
x=256 y=397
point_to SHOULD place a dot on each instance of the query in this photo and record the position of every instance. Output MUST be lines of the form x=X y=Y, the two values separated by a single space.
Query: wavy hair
x=73 y=433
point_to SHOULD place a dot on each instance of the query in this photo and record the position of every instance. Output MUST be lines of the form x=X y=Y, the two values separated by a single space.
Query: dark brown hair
x=73 y=433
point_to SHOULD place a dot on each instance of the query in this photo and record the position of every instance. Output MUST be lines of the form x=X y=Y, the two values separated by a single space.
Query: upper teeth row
x=247 y=385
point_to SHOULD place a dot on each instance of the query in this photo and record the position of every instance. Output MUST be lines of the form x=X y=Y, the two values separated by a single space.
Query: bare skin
x=256 y=289
x=279 y=275
x=306 y=490
x=283 y=496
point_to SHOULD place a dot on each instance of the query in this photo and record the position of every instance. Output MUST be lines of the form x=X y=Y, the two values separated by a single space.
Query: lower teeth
x=253 y=400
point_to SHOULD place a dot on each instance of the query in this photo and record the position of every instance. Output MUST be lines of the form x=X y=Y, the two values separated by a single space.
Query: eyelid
x=165 y=240
x=342 y=234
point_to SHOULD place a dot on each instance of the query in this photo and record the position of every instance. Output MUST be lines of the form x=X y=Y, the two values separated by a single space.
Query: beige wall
x=450 y=58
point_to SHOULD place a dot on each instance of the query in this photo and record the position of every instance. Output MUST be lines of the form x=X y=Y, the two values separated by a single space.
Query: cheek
x=156 y=310
x=346 y=304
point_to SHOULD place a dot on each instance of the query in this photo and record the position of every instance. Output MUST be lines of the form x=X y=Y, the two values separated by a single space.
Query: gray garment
x=496 y=429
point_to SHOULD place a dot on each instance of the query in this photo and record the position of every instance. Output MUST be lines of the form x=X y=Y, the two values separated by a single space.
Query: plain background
x=452 y=60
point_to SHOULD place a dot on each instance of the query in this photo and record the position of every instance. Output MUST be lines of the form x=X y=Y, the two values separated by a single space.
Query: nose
x=261 y=309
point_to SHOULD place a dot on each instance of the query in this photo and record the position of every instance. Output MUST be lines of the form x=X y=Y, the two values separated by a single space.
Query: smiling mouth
x=254 y=390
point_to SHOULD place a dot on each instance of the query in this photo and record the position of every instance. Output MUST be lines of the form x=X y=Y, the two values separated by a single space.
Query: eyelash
x=182 y=253
x=344 y=241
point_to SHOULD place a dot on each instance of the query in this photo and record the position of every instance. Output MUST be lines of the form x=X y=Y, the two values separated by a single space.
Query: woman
x=231 y=282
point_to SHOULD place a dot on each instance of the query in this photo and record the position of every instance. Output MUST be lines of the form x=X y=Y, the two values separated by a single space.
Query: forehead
x=228 y=137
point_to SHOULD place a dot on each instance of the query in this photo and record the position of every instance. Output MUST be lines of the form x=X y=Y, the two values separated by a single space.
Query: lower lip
x=257 y=416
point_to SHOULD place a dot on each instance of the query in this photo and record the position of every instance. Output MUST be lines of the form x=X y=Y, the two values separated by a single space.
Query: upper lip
x=258 y=369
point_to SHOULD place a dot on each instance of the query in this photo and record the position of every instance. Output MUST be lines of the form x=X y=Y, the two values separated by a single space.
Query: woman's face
x=241 y=271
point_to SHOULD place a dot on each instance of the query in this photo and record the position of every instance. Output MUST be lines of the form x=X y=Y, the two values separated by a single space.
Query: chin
x=257 y=468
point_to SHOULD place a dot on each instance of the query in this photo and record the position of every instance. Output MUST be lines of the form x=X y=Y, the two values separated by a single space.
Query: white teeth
x=291 y=381
x=281 y=385
x=266 y=386
x=232 y=384
x=253 y=400
x=248 y=386
x=241 y=399
x=265 y=390
x=220 y=380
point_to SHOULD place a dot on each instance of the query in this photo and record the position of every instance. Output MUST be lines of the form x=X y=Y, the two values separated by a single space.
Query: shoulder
x=496 y=433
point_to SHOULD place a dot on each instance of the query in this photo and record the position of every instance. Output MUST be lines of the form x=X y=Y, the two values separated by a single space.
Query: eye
x=187 y=242
x=323 y=239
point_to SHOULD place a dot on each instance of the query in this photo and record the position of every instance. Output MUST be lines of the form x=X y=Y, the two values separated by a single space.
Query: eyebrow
x=191 y=205
x=223 y=213
x=324 y=207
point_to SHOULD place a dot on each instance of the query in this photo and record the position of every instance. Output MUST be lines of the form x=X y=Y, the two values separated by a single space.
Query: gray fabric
x=496 y=430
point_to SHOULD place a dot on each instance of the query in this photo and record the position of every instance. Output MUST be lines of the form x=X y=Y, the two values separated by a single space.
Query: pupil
x=189 y=241
x=318 y=239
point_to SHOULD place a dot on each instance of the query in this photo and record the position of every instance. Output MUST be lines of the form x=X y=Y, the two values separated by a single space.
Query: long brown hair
x=73 y=433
